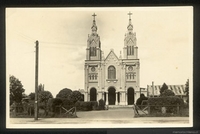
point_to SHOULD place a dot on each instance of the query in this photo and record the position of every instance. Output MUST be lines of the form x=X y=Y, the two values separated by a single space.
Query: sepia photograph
x=99 y=67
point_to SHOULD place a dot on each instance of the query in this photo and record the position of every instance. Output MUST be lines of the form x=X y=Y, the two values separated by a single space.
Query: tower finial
x=130 y=26
x=94 y=27
x=94 y=15
x=129 y=15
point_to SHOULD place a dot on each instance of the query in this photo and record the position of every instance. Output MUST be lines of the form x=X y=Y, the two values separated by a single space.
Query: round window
x=130 y=68
x=93 y=69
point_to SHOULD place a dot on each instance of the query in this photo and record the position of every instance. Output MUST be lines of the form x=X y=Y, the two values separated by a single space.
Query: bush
x=66 y=103
x=86 y=106
x=167 y=92
x=55 y=105
x=64 y=93
x=94 y=105
x=101 y=104
x=75 y=96
x=169 y=102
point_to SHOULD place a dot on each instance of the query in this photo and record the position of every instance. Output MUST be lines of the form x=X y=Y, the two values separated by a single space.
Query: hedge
x=85 y=106
x=55 y=103
x=170 y=102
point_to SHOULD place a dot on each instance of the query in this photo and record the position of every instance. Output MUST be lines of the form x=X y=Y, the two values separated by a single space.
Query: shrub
x=86 y=106
x=55 y=105
x=64 y=93
x=101 y=104
x=66 y=103
x=169 y=102
x=167 y=92
x=75 y=96
x=94 y=105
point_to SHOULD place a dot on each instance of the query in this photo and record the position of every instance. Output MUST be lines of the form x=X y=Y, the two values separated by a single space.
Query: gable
x=112 y=58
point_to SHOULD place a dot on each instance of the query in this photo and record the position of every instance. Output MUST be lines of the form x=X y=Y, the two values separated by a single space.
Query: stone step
x=119 y=106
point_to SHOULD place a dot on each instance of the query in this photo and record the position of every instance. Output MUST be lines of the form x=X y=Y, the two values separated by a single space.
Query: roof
x=111 y=53
x=177 y=89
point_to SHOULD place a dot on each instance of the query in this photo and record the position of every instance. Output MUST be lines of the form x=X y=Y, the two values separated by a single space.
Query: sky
x=164 y=39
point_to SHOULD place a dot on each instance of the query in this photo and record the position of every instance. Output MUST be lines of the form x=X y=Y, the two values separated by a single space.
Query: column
x=126 y=99
x=97 y=95
x=100 y=87
x=116 y=100
x=85 y=96
x=106 y=98
x=88 y=97
x=120 y=98
x=103 y=96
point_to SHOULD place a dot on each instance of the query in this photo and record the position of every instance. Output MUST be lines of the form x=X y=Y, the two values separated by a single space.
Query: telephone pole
x=36 y=79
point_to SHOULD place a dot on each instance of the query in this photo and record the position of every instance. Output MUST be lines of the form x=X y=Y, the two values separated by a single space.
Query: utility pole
x=36 y=79
x=153 y=88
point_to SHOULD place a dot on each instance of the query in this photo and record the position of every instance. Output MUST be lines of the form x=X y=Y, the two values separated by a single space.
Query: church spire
x=93 y=43
x=130 y=48
x=130 y=26
x=94 y=26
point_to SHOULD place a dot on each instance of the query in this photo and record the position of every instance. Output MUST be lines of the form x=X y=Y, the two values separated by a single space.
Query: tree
x=32 y=96
x=75 y=96
x=139 y=100
x=16 y=90
x=167 y=92
x=44 y=96
x=64 y=93
x=41 y=87
x=187 y=90
x=163 y=88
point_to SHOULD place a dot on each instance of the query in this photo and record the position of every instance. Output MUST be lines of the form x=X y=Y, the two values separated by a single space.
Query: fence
x=22 y=110
x=159 y=109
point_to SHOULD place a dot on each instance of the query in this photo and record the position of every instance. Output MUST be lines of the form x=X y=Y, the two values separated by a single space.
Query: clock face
x=93 y=69
x=130 y=68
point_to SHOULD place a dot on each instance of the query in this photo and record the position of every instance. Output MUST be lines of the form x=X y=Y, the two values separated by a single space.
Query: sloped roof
x=110 y=53
x=177 y=89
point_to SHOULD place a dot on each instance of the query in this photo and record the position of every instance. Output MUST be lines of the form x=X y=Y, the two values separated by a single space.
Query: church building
x=115 y=79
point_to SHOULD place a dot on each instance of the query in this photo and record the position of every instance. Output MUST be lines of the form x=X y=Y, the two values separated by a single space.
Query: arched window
x=130 y=50
x=92 y=51
x=111 y=72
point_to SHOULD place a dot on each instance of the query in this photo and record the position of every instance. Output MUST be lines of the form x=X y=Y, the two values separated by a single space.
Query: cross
x=94 y=15
x=129 y=15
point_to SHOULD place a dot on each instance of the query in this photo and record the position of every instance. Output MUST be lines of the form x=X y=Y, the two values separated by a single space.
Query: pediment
x=112 y=58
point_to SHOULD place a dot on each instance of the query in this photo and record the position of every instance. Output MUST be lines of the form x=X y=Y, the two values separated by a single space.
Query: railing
x=29 y=111
x=70 y=111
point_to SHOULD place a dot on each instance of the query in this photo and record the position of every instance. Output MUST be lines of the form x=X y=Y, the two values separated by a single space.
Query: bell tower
x=130 y=48
x=93 y=50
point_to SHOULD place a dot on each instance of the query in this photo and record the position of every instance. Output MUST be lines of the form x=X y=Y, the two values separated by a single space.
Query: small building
x=154 y=91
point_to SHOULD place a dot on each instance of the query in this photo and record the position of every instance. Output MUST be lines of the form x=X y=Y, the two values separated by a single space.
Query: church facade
x=113 y=79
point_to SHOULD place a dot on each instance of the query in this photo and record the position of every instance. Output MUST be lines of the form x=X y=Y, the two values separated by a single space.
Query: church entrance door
x=130 y=96
x=93 y=94
x=111 y=96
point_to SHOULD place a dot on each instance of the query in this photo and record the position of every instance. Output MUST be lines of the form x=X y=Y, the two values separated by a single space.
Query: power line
x=25 y=36
x=62 y=43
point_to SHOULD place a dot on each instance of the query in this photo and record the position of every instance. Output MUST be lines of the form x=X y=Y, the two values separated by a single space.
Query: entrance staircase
x=118 y=106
